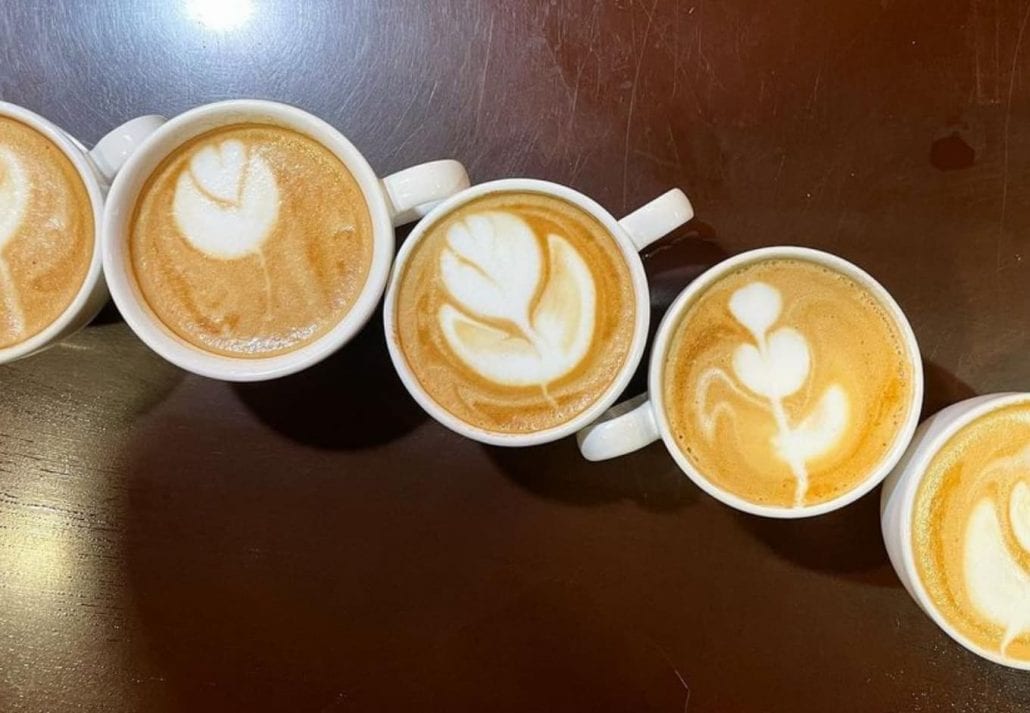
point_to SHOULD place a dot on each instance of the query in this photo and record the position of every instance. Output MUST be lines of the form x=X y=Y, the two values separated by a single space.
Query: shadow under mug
x=631 y=234
x=898 y=500
x=96 y=167
x=393 y=200
x=642 y=420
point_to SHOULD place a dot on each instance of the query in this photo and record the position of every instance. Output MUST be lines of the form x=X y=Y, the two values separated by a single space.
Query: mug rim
x=79 y=156
x=928 y=449
x=671 y=320
x=122 y=200
x=641 y=293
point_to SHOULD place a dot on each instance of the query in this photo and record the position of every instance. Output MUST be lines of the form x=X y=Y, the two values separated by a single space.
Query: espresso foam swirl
x=786 y=383
x=250 y=241
x=46 y=232
x=971 y=531
x=504 y=306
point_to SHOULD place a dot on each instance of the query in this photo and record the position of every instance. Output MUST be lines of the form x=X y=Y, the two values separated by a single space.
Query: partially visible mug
x=518 y=309
x=956 y=521
x=51 y=208
x=247 y=240
x=786 y=382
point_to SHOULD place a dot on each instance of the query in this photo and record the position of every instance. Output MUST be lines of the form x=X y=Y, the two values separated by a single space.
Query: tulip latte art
x=46 y=232
x=516 y=311
x=786 y=383
x=971 y=531
x=251 y=240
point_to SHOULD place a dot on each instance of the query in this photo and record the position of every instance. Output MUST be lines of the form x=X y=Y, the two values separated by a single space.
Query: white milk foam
x=776 y=366
x=502 y=322
x=227 y=203
x=15 y=190
x=997 y=583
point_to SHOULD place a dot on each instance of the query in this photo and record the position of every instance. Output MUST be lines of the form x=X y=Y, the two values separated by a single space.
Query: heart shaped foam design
x=776 y=371
x=757 y=306
x=14 y=194
x=227 y=203
x=492 y=270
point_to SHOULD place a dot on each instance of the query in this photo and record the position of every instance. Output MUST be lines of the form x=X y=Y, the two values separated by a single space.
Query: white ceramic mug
x=391 y=201
x=96 y=167
x=642 y=420
x=897 y=503
x=632 y=234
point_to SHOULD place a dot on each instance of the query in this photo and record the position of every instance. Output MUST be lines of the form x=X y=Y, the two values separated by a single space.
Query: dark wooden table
x=169 y=543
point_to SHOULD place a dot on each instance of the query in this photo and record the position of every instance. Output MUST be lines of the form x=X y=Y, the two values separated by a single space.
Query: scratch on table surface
x=979 y=25
x=633 y=101
x=675 y=146
x=679 y=676
x=815 y=92
x=686 y=688
x=483 y=74
x=1005 y=135
x=577 y=167
x=656 y=160
x=575 y=95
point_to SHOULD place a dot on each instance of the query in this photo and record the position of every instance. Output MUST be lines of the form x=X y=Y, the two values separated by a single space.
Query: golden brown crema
x=46 y=232
x=251 y=240
x=971 y=531
x=786 y=383
x=515 y=312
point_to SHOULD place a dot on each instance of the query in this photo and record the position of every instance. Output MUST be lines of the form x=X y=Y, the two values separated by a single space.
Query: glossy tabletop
x=318 y=544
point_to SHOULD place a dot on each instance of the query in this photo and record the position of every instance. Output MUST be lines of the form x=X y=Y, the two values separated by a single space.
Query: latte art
x=971 y=531
x=251 y=240
x=786 y=383
x=523 y=310
x=227 y=203
x=515 y=311
x=46 y=232
x=774 y=367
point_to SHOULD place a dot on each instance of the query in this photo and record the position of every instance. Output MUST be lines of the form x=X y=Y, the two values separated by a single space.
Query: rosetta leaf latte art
x=227 y=202
x=996 y=579
x=499 y=318
x=14 y=200
x=775 y=366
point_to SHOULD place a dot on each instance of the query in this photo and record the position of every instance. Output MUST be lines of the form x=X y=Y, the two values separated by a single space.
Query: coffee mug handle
x=112 y=151
x=411 y=193
x=657 y=218
x=622 y=429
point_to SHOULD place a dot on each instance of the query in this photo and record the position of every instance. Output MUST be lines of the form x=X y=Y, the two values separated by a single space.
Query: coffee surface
x=46 y=232
x=251 y=240
x=786 y=383
x=971 y=531
x=515 y=311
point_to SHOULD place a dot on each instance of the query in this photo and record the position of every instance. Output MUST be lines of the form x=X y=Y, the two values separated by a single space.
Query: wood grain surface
x=318 y=544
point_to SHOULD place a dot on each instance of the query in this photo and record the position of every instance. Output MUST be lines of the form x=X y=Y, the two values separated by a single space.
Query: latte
x=250 y=240
x=46 y=232
x=515 y=311
x=971 y=531
x=786 y=383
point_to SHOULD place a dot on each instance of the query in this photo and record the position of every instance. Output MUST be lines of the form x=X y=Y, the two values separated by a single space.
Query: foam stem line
x=797 y=465
x=268 y=284
x=10 y=297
